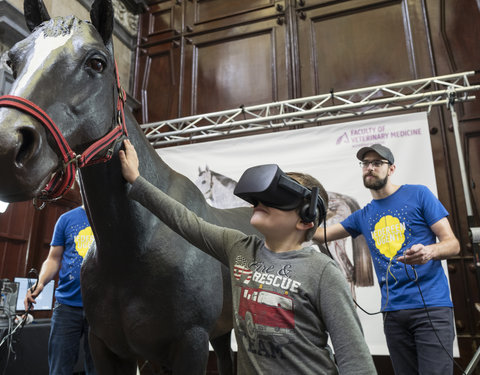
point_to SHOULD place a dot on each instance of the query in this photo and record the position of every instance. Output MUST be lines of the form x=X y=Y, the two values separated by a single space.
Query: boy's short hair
x=310 y=182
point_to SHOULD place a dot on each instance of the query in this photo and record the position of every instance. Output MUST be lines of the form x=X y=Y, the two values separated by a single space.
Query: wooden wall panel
x=454 y=25
x=15 y=227
x=159 y=89
x=472 y=299
x=201 y=15
x=471 y=133
x=357 y=44
x=13 y=254
x=205 y=11
x=25 y=234
x=243 y=65
x=454 y=36
x=163 y=21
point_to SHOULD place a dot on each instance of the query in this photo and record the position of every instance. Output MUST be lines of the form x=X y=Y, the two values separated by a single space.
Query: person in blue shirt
x=401 y=225
x=71 y=240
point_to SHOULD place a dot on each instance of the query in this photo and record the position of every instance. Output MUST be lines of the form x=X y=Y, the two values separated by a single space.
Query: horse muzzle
x=26 y=160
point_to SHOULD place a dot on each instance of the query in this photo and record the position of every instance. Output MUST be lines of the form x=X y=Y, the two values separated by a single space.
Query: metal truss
x=313 y=110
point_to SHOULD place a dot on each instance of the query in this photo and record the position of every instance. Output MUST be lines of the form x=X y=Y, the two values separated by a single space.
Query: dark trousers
x=413 y=345
x=67 y=328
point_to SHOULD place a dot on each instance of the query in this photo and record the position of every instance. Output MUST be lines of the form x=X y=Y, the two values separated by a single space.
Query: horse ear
x=35 y=13
x=102 y=16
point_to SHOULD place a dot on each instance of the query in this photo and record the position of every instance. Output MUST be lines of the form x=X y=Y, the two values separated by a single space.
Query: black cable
x=11 y=332
x=386 y=302
x=325 y=235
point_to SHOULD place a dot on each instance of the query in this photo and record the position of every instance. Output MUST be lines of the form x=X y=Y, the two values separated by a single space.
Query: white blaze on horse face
x=42 y=48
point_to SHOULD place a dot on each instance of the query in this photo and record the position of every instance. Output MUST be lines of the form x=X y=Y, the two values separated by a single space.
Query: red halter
x=64 y=178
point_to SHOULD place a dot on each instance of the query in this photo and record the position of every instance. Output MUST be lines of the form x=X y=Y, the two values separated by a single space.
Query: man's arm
x=334 y=232
x=50 y=268
x=447 y=246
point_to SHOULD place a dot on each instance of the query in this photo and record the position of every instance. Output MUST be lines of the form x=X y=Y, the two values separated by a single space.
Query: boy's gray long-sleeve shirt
x=285 y=304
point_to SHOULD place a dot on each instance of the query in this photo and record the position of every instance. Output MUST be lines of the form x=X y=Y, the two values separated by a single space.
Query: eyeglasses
x=375 y=163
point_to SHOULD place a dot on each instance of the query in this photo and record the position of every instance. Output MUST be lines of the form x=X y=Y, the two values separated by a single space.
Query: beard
x=376 y=184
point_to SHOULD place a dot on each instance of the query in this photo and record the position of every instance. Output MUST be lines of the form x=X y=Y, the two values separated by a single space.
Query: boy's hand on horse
x=129 y=161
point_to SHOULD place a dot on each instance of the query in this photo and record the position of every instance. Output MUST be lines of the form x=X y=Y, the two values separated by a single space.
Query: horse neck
x=112 y=212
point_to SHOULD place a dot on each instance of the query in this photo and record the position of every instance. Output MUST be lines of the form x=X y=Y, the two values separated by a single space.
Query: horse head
x=64 y=73
x=65 y=110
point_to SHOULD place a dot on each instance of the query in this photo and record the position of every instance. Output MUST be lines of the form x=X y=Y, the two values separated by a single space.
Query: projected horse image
x=147 y=293
x=218 y=190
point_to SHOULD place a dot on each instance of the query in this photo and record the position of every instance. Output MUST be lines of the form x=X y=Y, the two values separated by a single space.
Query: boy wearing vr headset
x=287 y=299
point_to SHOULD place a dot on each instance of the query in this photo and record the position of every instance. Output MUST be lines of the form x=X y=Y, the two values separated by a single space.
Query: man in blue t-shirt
x=401 y=225
x=72 y=238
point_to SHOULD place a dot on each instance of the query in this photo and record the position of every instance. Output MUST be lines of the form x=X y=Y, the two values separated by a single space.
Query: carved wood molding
x=135 y=6
x=125 y=17
x=12 y=25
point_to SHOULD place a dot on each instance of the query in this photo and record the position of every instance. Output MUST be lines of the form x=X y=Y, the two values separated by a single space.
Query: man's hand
x=417 y=254
x=32 y=293
x=129 y=161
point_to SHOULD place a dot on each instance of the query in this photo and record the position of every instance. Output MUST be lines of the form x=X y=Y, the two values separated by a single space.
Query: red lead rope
x=63 y=179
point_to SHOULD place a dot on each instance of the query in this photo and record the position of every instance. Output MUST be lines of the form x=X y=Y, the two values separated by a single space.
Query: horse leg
x=108 y=363
x=190 y=354
x=223 y=351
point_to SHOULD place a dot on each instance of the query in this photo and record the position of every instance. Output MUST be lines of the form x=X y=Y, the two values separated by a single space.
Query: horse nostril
x=26 y=140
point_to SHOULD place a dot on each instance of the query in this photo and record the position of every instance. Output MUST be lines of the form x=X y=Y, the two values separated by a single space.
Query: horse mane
x=59 y=26
x=224 y=180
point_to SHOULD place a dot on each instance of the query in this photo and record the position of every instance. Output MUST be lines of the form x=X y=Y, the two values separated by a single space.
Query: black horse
x=147 y=293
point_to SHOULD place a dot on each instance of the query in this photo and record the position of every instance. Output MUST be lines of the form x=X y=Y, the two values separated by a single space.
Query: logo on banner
x=375 y=134
x=343 y=139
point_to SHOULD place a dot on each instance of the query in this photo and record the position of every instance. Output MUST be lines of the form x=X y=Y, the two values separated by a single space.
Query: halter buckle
x=44 y=198
x=74 y=160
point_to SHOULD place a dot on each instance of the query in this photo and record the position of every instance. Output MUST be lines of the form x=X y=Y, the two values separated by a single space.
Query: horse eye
x=96 y=65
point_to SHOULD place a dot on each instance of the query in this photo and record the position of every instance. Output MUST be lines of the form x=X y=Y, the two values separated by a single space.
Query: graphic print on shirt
x=80 y=237
x=389 y=235
x=83 y=240
x=241 y=270
x=266 y=311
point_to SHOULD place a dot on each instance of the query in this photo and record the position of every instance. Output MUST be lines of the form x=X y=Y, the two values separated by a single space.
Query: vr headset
x=269 y=185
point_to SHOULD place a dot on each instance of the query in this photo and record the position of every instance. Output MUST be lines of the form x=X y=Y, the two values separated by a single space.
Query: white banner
x=329 y=154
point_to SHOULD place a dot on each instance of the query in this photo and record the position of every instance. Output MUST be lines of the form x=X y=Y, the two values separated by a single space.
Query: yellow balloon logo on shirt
x=389 y=235
x=83 y=241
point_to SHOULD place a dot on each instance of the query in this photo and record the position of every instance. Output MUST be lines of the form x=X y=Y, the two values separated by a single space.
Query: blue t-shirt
x=73 y=232
x=392 y=225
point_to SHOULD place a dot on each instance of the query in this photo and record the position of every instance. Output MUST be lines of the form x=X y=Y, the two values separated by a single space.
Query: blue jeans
x=67 y=328
x=414 y=348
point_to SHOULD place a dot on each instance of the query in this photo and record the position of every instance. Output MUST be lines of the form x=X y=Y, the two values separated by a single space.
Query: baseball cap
x=383 y=151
